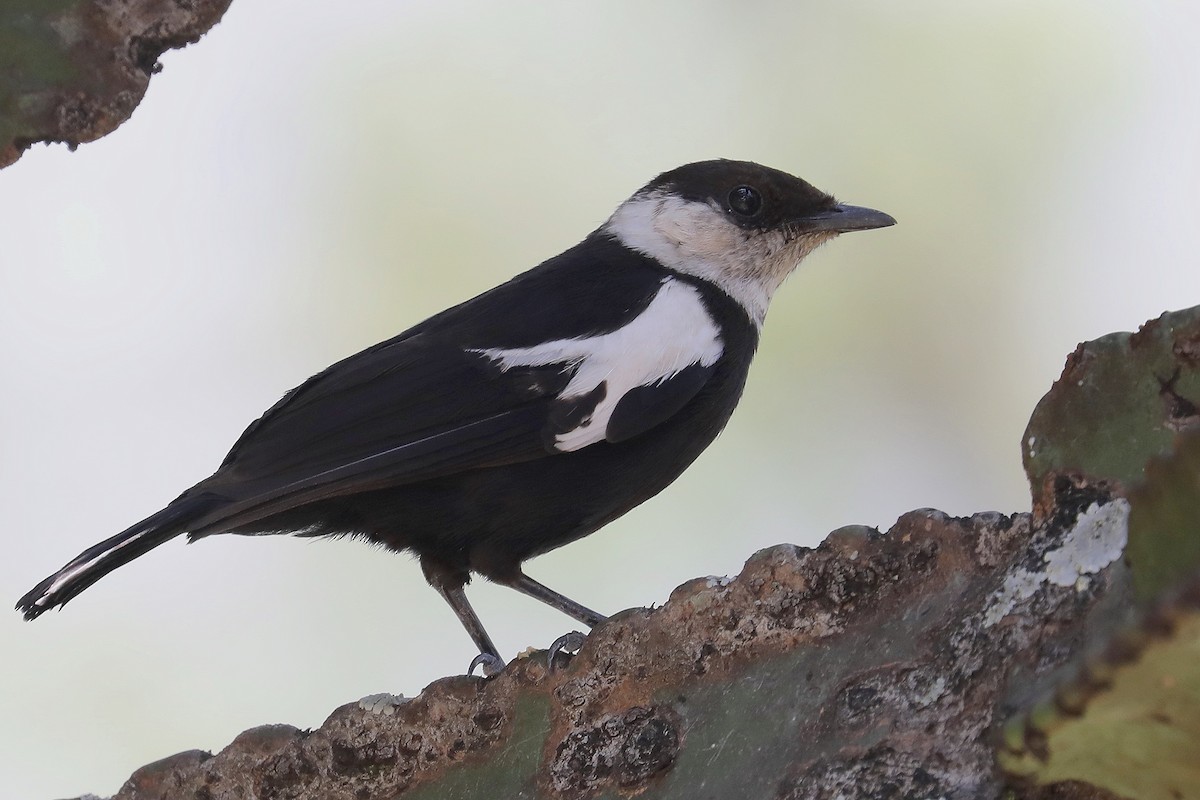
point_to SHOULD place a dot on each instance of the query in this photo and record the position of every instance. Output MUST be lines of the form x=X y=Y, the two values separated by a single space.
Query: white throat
x=697 y=239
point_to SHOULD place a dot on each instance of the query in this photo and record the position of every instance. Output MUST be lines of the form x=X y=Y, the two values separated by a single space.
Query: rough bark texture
x=76 y=69
x=921 y=663
x=869 y=661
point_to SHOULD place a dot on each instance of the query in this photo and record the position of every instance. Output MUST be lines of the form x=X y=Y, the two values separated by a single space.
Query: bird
x=529 y=416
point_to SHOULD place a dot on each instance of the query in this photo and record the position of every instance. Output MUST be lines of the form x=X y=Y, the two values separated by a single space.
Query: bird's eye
x=745 y=201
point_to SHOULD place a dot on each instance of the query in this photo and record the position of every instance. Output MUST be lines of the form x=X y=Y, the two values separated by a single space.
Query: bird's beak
x=842 y=218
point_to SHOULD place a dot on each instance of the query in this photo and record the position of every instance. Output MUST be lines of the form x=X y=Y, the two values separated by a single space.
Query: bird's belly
x=491 y=520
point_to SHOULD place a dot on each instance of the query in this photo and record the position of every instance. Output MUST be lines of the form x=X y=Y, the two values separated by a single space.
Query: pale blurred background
x=310 y=179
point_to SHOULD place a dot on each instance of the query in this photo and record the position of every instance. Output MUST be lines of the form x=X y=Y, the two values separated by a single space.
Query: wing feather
x=504 y=438
x=435 y=401
x=644 y=407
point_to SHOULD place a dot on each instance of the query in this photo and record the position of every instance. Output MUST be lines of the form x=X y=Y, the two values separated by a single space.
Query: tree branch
x=923 y=662
x=75 y=73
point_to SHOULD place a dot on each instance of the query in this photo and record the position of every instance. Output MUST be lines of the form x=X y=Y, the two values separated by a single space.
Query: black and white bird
x=529 y=416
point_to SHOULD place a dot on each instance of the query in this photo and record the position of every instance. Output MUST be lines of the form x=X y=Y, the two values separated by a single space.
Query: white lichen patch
x=931 y=693
x=1096 y=540
x=383 y=703
x=819 y=624
x=1020 y=585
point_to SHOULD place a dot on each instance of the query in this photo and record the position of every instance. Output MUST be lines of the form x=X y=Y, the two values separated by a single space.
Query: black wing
x=644 y=407
x=412 y=411
x=426 y=404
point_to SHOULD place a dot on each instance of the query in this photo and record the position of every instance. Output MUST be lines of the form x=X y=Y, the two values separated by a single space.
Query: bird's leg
x=449 y=585
x=527 y=585
x=570 y=642
x=489 y=657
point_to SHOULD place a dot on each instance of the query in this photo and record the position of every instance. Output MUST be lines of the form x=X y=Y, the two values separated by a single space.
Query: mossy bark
x=1031 y=655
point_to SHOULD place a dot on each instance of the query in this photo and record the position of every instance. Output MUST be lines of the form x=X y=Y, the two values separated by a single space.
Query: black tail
x=98 y=560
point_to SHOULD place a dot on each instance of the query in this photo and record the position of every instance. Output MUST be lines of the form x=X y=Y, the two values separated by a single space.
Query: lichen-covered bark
x=1127 y=715
x=1120 y=401
x=949 y=657
x=873 y=659
x=73 y=70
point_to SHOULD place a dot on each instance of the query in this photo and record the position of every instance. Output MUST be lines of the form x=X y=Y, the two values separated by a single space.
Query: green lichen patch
x=1164 y=523
x=1121 y=400
x=511 y=772
x=1128 y=720
x=73 y=70
x=1137 y=737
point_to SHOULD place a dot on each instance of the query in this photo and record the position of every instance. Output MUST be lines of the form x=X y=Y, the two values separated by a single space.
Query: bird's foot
x=567 y=644
x=490 y=664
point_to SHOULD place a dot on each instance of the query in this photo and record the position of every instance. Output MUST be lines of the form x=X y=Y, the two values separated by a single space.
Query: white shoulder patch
x=674 y=332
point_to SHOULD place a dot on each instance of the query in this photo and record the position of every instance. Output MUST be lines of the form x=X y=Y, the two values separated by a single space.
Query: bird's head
x=739 y=225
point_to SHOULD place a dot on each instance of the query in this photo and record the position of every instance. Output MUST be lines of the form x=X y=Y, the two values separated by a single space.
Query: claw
x=489 y=664
x=567 y=643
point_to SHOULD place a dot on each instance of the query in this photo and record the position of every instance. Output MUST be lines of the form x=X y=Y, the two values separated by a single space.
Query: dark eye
x=745 y=201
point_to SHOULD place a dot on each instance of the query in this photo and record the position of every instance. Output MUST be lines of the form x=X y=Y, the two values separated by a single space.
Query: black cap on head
x=759 y=198
x=752 y=195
